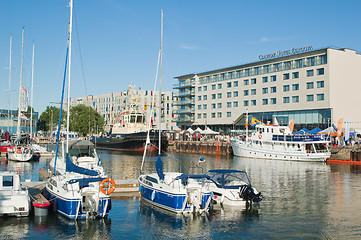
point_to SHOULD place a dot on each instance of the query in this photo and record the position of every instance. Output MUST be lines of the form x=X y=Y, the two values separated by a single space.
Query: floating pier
x=201 y=147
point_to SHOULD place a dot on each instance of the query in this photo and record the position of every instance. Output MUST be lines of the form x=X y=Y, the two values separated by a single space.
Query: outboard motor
x=247 y=193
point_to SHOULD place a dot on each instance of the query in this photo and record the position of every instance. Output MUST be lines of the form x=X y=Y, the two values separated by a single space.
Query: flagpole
x=247 y=125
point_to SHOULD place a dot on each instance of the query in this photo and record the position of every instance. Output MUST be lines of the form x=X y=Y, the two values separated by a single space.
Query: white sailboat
x=20 y=152
x=77 y=192
x=173 y=191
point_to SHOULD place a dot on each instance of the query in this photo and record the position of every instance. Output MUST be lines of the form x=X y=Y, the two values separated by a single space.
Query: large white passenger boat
x=278 y=142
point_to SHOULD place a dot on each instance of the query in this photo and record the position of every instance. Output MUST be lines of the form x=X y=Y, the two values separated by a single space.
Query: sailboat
x=173 y=191
x=77 y=192
x=21 y=151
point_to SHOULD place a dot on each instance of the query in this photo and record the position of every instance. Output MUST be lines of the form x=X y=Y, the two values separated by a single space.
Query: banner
x=255 y=122
x=24 y=100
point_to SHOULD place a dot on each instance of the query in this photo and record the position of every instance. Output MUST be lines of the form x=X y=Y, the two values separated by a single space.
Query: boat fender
x=153 y=195
x=110 y=188
x=260 y=136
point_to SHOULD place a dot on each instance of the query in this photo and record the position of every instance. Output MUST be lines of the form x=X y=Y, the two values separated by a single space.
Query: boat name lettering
x=291 y=51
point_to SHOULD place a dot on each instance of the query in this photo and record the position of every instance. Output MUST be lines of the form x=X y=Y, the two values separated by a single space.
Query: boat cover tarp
x=84 y=182
x=223 y=178
x=159 y=168
x=71 y=167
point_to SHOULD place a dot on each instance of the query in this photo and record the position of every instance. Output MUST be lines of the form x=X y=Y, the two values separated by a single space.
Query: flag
x=246 y=123
x=24 y=100
x=255 y=122
x=22 y=116
x=291 y=124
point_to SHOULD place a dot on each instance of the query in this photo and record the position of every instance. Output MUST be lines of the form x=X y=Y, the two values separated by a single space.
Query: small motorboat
x=21 y=153
x=14 y=201
x=232 y=188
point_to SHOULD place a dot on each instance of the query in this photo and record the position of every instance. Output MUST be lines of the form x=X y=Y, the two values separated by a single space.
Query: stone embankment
x=201 y=147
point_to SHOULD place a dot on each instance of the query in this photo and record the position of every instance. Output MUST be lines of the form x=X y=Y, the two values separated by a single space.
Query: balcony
x=184 y=102
x=185 y=119
x=184 y=93
x=184 y=85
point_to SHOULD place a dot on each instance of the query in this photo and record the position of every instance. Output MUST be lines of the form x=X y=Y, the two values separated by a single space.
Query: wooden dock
x=201 y=147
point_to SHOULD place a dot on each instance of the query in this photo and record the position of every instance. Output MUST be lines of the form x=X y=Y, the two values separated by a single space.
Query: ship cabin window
x=299 y=146
x=151 y=179
x=268 y=130
x=272 y=130
x=8 y=181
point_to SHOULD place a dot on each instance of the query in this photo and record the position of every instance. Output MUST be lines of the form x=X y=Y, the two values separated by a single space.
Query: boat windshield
x=229 y=178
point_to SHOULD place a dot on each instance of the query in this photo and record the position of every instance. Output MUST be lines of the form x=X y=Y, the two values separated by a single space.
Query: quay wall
x=201 y=147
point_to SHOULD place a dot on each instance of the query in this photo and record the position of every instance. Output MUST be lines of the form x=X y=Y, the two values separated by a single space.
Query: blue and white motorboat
x=173 y=191
x=232 y=188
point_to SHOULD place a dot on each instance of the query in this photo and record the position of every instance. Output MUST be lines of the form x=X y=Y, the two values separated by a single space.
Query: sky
x=116 y=43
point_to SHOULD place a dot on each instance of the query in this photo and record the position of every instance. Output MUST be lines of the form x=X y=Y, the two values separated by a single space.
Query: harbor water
x=301 y=201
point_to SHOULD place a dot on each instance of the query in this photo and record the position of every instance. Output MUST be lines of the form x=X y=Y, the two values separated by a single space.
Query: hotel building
x=314 y=87
x=111 y=105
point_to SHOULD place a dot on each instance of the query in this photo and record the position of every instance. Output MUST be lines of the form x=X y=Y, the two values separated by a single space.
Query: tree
x=85 y=120
x=51 y=114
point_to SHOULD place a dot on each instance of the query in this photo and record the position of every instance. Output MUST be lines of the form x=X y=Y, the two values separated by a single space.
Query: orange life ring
x=260 y=136
x=110 y=188
x=18 y=151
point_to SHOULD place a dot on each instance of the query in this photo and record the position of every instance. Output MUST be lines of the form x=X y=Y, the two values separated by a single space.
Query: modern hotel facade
x=313 y=87
x=111 y=105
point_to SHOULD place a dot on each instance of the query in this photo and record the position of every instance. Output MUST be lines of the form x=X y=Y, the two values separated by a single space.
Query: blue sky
x=119 y=40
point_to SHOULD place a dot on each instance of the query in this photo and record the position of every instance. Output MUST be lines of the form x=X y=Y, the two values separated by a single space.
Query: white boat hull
x=21 y=157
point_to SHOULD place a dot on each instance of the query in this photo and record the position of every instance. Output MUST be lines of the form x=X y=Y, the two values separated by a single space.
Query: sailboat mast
x=11 y=40
x=247 y=125
x=69 y=65
x=160 y=86
x=32 y=93
x=18 y=132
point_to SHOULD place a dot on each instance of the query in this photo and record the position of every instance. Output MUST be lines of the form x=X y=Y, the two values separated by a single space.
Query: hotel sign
x=292 y=51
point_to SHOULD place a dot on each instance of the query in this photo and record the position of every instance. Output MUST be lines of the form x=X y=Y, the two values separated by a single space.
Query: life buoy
x=18 y=151
x=260 y=136
x=135 y=125
x=110 y=188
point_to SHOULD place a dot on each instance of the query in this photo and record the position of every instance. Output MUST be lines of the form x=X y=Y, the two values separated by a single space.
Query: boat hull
x=20 y=157
x=241 y=149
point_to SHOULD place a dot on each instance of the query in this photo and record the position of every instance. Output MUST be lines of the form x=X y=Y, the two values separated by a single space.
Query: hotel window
x=295 y=75
x=219 y=105
x=273 y=78
x=215 y=78
x=310 y=61
x=245 y=103
x=219 y=95
x=320 y=97
x=247 y=72
x=204 y=97
x=265 y=79
x=266 y=69
x=273 y=89
x=264 y=90
x=253 y=102
x=235 y=84
x=235 y=94
x=323 y=59
x=277 y=67
x=320 y=71
x=253 y=91
x=295 y=99
x=199 y=98
x=229 y=84
x=213 y=96
x=295 y=87
x=287 y=65
x=286 y=88
x=265 y=101
x=273 y=101
x=199 y=107
x=309 y=85
x=286 y=99
x=223 y=76
x=199 y=89
x=320 y=84
x=213 y=115
x=246 y=82
x=299 y=63
x=204 y=115
x=229 y=94
x=256 y=70
x=230 y=75
x=245 y=92
x=204 y=88
x=208 y=78
x=199 y=115
x=213 y=105
x=229 y=114
x=235 y=104
x=309 y=98
x=219 y=85
x=239 y=73
x=229 y=104
x=219 y=114
x=204 y=106
x=286 y=76
x=309 y=73
x=213 y=86
x=253 y=81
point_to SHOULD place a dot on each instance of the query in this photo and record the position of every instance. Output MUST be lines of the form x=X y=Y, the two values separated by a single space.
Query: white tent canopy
x=210 y=131
x=328 y=130
x=199 y=130
x=190 y=130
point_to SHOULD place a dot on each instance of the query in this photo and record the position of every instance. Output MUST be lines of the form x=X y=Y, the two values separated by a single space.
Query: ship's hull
x=133 y=142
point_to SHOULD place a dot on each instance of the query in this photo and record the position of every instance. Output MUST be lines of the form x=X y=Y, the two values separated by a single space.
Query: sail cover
x=159 y=168
x=71 y=167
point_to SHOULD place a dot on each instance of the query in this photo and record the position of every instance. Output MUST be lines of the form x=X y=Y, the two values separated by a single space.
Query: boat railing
x=298 y=138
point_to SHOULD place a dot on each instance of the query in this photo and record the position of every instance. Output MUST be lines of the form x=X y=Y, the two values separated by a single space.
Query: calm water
x=301 y=201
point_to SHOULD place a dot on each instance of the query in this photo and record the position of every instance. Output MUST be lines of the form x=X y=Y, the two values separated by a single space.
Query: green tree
x=85 y=120
x=51 y=113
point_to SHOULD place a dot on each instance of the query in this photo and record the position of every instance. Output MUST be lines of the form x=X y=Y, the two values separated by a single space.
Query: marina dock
x=201 y=147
